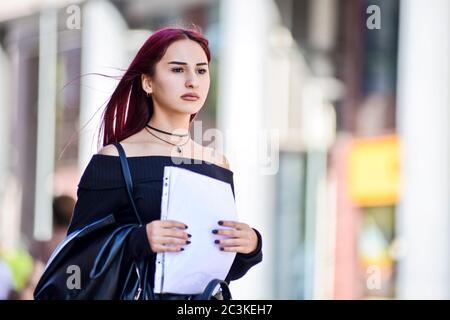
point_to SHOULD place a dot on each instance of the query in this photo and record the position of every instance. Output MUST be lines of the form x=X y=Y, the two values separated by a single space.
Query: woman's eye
x=178 y=70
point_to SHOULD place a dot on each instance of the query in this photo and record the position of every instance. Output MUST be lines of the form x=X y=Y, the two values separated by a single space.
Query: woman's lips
x=189 y=98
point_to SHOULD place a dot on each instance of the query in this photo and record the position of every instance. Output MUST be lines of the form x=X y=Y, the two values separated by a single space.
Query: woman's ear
x=146 y=84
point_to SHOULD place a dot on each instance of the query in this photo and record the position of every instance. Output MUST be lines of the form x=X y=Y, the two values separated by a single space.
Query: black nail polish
x=189 y=235
x=185 y=226
x=220 y=222
x=181 y=249
x=221 y=249
x=214 y=231
x=216 y=241
x=187 y=242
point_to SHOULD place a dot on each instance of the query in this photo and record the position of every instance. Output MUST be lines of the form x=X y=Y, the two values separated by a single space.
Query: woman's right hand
x=166 y=235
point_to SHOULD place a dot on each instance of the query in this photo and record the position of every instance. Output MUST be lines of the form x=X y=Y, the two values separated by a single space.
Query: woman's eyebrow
x=184 y=63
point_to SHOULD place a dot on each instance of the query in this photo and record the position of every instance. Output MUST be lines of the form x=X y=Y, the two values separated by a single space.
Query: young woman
x=149 y=114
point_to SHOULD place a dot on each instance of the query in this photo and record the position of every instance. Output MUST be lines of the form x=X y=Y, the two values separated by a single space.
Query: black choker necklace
x=173 y=144
x=165 y=132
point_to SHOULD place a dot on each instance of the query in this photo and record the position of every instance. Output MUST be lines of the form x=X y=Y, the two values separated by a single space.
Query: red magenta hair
x=129 y=109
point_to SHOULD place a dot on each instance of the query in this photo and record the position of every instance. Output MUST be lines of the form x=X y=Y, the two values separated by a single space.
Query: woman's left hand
x=243 y=238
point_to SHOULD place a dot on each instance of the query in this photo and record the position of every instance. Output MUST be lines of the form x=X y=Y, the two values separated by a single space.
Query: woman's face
x=183 y=69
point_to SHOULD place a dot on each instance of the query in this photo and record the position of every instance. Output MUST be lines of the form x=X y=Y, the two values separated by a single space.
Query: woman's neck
x=175 y=125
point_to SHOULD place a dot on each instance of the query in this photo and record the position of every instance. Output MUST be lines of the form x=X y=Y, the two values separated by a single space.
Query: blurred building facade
x=319 y=120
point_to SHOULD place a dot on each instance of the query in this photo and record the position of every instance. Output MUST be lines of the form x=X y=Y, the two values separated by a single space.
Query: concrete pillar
x=423 y=218
x=103 y=50
x=46 y=127
x=242 y=85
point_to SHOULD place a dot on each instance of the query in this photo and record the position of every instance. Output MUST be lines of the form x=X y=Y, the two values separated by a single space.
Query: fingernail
x=185 y=226
x=189 y=235
x=214 y=231
x=181 y=249
x=220 y=222
x=221 y=249
x=216 y=241
x=187 y=242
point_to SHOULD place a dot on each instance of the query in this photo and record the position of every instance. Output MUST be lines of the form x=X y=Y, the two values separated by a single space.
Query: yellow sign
x=374 y=170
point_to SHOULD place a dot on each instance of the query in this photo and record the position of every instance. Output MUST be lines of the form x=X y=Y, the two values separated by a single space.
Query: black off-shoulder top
x=101 y=191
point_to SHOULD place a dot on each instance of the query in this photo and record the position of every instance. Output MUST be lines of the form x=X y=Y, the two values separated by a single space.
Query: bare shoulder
x=223 y=160
x=109 y=150
x=134 y=145
x=216 y=157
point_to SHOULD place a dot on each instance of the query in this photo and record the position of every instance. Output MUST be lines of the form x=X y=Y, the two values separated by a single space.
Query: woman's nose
x=192 y=81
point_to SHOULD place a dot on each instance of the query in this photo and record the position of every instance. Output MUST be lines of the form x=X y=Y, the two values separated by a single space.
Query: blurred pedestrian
x=6 y=280
x=62 y=211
